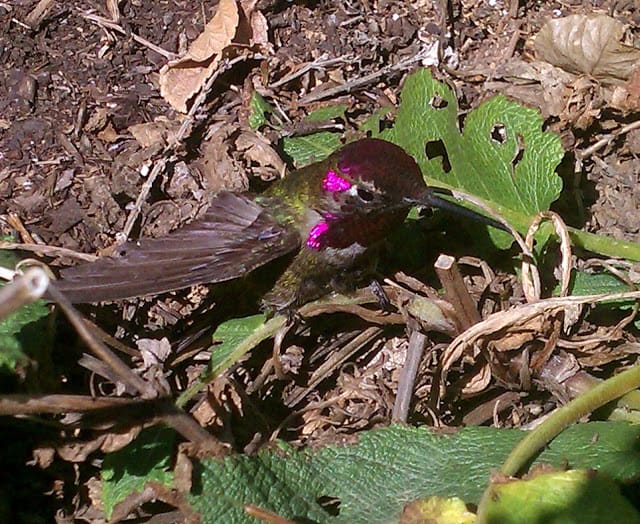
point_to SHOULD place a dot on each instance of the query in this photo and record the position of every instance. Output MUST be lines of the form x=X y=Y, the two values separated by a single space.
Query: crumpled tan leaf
x=181 y=79
x=160 y=132
x=588 y=44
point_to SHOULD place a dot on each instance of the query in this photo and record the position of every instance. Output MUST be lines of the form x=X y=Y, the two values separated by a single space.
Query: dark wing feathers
x=235 y=236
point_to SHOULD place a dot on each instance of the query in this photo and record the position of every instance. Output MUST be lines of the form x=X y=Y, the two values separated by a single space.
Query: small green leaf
x=259 y=107
x=19 y=327
x=584 y=283
x=146 y=459
x=307 y=149
x=232 y=334
x=327 y=113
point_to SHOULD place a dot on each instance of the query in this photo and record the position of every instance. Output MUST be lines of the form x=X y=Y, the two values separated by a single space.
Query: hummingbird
x=327 y=215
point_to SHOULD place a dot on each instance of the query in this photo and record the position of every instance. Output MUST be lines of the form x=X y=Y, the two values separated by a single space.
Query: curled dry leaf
x=259 y=29
x=258 y=151
x=627 y=97
x=159 y=133
x=181 y=79
x=588 y=44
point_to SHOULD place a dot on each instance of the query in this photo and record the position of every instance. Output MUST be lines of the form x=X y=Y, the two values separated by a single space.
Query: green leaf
x=233 y=333
x=584 y=283
x=372 y=123
x=502 y=155
x=372 y=480
x=20 y=329
x=576 y=496
x=307 y=149
x=146 y=459
x=327 y=113
x=258 y=107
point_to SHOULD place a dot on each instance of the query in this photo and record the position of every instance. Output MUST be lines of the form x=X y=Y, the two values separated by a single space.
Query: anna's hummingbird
x=328 y=214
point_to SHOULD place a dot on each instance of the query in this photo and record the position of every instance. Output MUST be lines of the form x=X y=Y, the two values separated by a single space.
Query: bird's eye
x=364 y=194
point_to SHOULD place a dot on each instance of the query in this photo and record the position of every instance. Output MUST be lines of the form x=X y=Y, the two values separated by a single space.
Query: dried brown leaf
x=258 y=151
x=259 y=29
x=588 y=44
x=627 y=96
x=148 y=134
x=181 y=79
x=98 y=120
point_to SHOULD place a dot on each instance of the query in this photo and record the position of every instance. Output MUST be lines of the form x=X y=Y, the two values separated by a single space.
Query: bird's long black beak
x=431 y=199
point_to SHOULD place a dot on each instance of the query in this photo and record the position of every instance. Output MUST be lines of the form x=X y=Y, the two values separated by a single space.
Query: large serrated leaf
x=502 y=155
x=374 y=479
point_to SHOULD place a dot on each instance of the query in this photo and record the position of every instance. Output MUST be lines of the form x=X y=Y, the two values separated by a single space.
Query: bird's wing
x=235 y=236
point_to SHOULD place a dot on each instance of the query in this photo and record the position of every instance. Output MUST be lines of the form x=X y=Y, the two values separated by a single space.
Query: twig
x=160 y=165
x=408 y=374
x=101 y=21
x=146 y=390
x=605 y=140
x=23 y=290
x=456 y=292
x=265 y=515
x=319 y=94
x=333 y=362
x=187 y=426
x=316 y=64
x=50 y=251
x=55 y=404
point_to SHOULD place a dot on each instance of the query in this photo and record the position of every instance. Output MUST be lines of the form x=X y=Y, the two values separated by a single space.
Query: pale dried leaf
x=536 y=84
x=160 y=132
x=258 y=151
x=78 y=451
x=181 y=79
x=117 y=440
x=588 y=44
x=478 y=382
x=259 y=29
x=97 y=120
x=147 y=134
x=154 y=352
x=43 y=457
x=108 y=134
x=217 y=34
x=627 y=96
x=218 y=166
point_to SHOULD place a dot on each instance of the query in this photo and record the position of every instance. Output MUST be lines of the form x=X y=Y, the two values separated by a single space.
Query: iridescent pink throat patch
x=334 y=183
x=314 y=240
